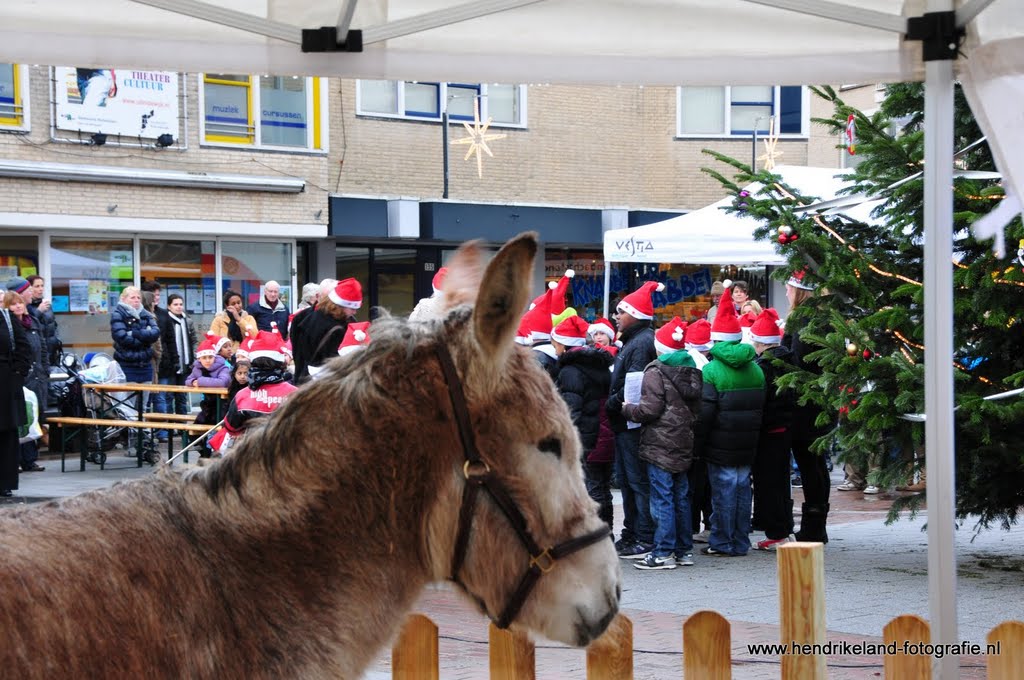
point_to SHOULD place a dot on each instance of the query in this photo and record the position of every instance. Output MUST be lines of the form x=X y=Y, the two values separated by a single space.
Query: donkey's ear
x=503 y=295
x=465 y=270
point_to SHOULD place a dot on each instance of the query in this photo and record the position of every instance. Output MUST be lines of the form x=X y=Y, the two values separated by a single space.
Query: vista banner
x=126 y=102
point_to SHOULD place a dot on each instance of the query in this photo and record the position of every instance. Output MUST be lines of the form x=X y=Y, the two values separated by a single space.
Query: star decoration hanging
x=478 y=138
x=771 y=154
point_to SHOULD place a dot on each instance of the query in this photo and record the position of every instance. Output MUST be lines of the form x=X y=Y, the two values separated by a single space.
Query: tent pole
x=607 y=285
x=938 y=339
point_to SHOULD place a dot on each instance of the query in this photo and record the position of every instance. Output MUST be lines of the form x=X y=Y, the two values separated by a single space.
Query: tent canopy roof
x=711 y=235
x=580 y=41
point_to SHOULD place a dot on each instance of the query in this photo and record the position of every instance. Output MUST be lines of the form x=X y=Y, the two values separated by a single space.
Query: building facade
x=210 y=182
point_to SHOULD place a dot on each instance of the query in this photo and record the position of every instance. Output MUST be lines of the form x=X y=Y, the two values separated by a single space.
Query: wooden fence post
x=1008 y=664
x=707 y=641
x=415 y=655
x=610 y=657
x=907 y=628
x=512 y=655
x=802 y=608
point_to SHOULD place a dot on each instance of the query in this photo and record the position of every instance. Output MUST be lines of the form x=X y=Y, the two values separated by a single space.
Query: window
x=185 y=268
x=247 y=265
x=725 y=111
x=14 y=97
x=274 y=112
x=505 y=104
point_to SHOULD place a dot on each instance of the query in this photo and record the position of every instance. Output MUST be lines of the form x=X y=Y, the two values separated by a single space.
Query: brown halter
x=478 y=475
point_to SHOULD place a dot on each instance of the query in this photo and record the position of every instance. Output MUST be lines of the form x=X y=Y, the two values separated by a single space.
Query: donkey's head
x=529 y=547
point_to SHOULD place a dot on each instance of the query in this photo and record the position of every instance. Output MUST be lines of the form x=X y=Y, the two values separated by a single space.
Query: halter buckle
x=544 y=561
x=473 y=470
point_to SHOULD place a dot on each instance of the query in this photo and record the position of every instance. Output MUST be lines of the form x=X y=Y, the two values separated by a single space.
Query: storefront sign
x=116 y=101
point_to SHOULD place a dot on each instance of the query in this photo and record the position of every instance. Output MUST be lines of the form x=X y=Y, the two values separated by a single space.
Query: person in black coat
x=39 y=307
x=14 y=367
x=583 y=379
x=322 y=329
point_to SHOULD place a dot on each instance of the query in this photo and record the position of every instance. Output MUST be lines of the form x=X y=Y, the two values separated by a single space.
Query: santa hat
x=670 y=337
x=747 y=320
x=537 y=321
x=523 y=334
x=726 y=326
x=797 y=281
x=267 y=346
x=572 y=332
x=602 y=325
x=347 y=293
x=766 y=329
x=209 y=346
x=438 y=279
x=698 y=336
x=638 y=303
x=560 y=289
x=357 y=336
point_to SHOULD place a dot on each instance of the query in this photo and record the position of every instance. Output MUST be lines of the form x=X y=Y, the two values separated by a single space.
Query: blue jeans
x=163 y=401
x=670 y=510
x=636 y=490
x=731 y=504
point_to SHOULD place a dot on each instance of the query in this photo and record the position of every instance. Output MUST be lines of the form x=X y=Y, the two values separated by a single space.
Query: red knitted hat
x=638 y=303
x=670 y=337
x=698 y=335
x=572 y=332
x=726 y=326
x=766 y=329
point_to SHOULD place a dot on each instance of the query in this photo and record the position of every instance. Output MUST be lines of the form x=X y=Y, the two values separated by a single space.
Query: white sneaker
x=702 y=537
x=872 y=489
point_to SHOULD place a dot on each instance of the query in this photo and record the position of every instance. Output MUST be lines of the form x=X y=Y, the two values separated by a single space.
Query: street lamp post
x=753 y=147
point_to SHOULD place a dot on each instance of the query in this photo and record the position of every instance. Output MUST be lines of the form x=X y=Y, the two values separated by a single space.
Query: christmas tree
x=867 y=318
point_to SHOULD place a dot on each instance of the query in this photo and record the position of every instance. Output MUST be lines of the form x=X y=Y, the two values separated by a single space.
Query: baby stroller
x=101 y=369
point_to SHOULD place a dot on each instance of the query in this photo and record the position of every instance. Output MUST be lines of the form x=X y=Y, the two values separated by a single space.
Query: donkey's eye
x=551 y=445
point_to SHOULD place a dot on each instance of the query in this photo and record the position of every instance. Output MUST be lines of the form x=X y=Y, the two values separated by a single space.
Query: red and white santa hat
x=348 y=293
x=671 y=336
x=766 y=329
x=357 y=336
x=726 y=327
x=796 y=280
x=572 y=332
x=209 y=346
x=523 y=334
x=698 y=336
x=638 y=303
x=560 y=288
x=602 y=325
x=242 y=353
x=438 y=279
x=267 y=345
x=537 y=321
x=747 y=320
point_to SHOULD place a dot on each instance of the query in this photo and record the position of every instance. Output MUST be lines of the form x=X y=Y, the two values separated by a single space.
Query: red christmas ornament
x=867 y=354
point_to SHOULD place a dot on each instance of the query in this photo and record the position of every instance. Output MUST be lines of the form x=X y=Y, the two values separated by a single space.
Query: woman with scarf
x=134 y=332
x=38 y=378
x=234 y=323
x=178 y=337
x=14 y=367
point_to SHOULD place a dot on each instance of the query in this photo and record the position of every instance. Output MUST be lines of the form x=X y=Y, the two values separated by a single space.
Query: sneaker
x=711 y=551
x=770 y=544
x=872 y=489
x=652 y=562
x=796 y=480
x=702 y=537
x=636 y=551
x=686 y=560
x=849 y=486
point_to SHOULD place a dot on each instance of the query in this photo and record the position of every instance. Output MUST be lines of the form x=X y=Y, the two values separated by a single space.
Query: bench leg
x=83 y=447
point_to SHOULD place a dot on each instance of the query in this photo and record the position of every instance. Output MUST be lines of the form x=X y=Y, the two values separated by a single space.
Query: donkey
x=441 y=451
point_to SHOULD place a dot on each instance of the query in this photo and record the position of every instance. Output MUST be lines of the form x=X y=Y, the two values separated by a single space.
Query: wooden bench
x=76 y=425
x=170 y=417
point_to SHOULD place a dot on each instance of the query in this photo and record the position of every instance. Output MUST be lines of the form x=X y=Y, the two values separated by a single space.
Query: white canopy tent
x=691 y=42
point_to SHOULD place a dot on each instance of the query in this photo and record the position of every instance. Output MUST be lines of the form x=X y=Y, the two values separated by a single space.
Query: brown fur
x=299 y=554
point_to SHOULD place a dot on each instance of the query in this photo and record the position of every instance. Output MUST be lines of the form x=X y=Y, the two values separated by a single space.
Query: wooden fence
x=707 y=639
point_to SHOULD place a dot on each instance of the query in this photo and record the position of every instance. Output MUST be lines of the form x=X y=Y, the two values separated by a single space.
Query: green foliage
x=871 y=298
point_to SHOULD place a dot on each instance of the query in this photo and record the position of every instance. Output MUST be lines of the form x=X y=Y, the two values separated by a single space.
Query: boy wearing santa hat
x=634 y=315
x=730 y=422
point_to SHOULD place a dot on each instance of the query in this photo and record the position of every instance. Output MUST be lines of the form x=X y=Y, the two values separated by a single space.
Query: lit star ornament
x=478 y=138
x=770 y=154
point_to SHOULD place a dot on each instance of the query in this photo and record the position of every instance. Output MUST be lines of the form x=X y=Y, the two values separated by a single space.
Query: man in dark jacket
x=271 y=308
x=41 y=309
x=668 y=408
x=583 y=378
x=633 y=314
x=773 y=501
x=730 y=422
